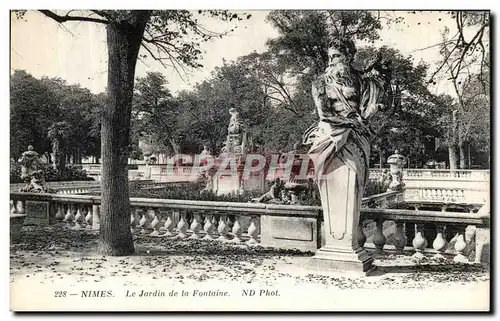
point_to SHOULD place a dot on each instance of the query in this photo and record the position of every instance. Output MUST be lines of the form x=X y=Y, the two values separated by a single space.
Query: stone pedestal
x=39 y=212
x=225 y=181
x=226 y=184
x=483 y=246
x=340 y=202
x=16 y=225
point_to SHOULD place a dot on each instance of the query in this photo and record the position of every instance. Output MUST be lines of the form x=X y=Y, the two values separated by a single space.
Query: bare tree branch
x=62 y=19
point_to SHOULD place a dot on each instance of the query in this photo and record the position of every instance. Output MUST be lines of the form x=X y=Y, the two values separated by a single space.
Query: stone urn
x=16 y=225
x=396 y=163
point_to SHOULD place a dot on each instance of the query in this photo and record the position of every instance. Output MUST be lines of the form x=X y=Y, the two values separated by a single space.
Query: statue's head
x=341 y=50
x=30 y=148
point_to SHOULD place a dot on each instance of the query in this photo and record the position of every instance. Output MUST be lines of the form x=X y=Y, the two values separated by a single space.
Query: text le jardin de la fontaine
x=141 y=293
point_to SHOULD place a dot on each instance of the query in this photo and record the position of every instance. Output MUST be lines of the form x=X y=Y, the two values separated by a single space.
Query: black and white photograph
x=230 y=160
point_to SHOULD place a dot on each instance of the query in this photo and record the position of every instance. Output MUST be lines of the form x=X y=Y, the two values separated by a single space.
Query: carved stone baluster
x=237 y=230
x=195 y=227
x=13 y=209
x=222 y=229
x=96 y=218
x=379 y=239
x=460 y=246
x=252 y=232
x=79 y=217
x=215 y=223
x=156 y=223
x=59 y=212
x=361 y=236
x=69 y=217
x=230 y=222
x=439 y=243
x=169 y=225
x=208 y=228
x=419 y=242
x=182 y=226
x=133 y=221
x=88 y=217
x=20 y=207
x=144 y=222
x=400 y=239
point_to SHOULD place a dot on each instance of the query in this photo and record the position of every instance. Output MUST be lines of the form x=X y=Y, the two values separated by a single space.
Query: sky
x=77 y=51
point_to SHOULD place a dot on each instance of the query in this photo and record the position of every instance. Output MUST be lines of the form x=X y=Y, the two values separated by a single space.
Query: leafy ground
x=56 y=252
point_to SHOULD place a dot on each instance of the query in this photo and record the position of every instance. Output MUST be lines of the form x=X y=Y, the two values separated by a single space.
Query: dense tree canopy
x=271 y=90
x=37 y=104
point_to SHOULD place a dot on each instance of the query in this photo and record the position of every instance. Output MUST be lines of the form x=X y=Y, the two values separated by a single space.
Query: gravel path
x=55 y=256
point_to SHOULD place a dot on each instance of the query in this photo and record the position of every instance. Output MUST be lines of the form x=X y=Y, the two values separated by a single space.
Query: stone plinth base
x=328 y=258
x=290 y=232
x=483 y=246
x=16 y=225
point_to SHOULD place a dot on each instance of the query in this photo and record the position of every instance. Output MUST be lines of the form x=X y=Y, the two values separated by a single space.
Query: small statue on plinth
x=235 y=142
x=396 y=162
x=32 y=173
x=205 y=152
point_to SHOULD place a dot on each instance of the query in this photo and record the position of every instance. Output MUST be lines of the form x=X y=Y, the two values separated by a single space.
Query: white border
x=226 y=4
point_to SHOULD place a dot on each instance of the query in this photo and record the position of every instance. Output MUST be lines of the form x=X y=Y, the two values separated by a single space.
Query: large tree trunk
x=452 y=151
x=463 y=159
x=176 y=148
x=452 y=141
x=124 y=41
x=381 y=158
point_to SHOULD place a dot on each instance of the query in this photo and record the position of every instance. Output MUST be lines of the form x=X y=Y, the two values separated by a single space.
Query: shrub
x=189 y=191
x=70 y=173
x=375 y=187
x=193 y=191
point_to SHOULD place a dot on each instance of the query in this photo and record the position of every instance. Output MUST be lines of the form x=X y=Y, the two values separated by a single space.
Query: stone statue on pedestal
x=235 y=142
x=32 y=173
x=346 y=99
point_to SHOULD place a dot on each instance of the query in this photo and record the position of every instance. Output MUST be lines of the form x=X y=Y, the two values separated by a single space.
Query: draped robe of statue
x=340 y=150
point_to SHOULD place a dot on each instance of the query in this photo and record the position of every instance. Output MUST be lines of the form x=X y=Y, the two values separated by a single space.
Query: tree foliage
x=167 y=36
x=37 y=105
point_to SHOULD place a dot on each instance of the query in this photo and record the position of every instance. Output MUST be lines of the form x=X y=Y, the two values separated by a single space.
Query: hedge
x=70 y=173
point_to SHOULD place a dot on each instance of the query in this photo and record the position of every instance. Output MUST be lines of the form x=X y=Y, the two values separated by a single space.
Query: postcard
x=258 y=160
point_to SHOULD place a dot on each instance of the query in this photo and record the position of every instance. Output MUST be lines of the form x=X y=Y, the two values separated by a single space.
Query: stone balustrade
x=440 y=234
x=457 y=174
x=77 y=190
x=454 y=186
x=250 y=223
x=383 y=200
x=80 y=187
x=282 y=226
x=375 y=173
